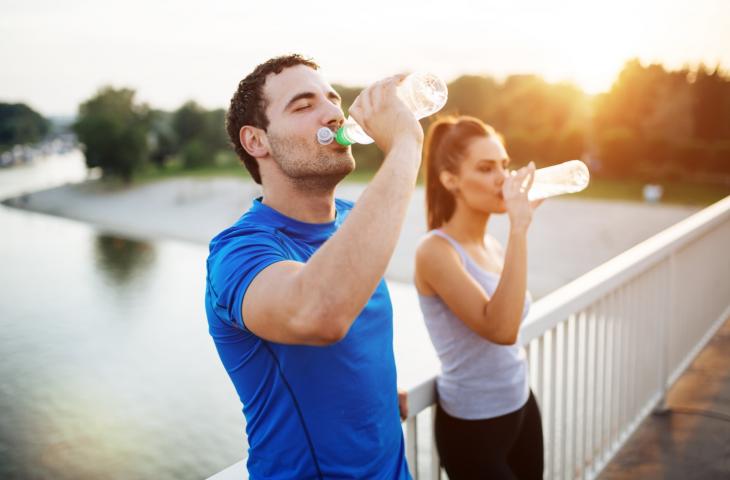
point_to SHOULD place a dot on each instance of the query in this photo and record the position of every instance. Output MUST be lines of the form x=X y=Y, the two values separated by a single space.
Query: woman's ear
x=254 y=141
x=449 y=181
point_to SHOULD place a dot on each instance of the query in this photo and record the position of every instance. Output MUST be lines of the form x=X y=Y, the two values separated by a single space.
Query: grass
x=677 y=193
x=176 y=170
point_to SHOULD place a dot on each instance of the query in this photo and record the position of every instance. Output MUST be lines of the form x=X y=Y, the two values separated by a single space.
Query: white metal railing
x=604 y=349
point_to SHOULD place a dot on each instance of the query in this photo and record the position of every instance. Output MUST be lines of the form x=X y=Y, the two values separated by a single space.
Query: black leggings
x=506 y=447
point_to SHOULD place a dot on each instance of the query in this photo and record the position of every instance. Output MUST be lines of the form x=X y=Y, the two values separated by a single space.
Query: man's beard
x=318 y=168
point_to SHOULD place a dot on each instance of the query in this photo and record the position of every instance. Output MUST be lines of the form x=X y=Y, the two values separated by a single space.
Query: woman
x=473 y=297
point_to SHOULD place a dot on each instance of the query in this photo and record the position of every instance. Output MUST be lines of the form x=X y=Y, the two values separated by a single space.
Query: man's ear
x=254 y=141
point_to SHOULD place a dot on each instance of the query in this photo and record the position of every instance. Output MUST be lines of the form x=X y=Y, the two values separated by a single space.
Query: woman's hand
x=514 y=190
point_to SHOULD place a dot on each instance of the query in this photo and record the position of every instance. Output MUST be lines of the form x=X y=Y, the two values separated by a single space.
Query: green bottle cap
x=341 y=138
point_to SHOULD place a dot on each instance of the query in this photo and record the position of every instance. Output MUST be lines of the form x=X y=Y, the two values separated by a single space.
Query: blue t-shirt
x=311 y=412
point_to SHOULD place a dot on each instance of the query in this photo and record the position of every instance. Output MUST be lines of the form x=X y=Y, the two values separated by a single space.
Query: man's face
x=300 y=102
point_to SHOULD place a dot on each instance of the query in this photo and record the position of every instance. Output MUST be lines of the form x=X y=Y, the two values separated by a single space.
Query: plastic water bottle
x=423 y=93
x=568 y=177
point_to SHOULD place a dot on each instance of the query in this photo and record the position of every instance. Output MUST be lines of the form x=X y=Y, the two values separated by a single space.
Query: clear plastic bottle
x=568 y=177
x=423 y=93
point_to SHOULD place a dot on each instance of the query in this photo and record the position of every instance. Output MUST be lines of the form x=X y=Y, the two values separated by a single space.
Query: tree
x=201 y=134
x=656 y=124
x=20 y=124
x=620 y=152
x=163 y=140
x=473 y=95
x=188 y=121
x=347 y=94
x=540 y=121
x=113 y=130
x=711 y=101
x=214 y=132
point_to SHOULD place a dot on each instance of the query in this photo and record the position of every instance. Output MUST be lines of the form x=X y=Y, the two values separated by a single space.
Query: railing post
x=435 y=459
x=668 y=322
x=412 y=445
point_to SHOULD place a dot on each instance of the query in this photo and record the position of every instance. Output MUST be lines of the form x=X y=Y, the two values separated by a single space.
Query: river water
x=108 y=370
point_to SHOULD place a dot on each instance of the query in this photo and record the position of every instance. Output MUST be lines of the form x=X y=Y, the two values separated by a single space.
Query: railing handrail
x=547 y=312
x=586 y=289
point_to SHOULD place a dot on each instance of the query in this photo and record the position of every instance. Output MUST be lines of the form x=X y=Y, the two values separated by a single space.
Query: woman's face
x=478 y=184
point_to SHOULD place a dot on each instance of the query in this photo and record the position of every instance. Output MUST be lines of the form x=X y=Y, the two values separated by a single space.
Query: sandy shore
x=568 y=237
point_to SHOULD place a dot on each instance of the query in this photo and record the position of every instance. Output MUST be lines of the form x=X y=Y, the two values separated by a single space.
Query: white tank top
x=479 y=379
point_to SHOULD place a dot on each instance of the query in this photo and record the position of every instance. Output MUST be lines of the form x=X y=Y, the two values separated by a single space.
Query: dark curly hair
x=248 y=104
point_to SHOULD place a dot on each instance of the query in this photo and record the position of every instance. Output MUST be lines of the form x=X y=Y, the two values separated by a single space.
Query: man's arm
x=316 y=303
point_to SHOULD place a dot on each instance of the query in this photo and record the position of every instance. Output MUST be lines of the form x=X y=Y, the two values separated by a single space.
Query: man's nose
x=333 y=117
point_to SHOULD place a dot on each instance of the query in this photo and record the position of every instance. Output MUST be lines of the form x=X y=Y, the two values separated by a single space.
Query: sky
x=56 y=54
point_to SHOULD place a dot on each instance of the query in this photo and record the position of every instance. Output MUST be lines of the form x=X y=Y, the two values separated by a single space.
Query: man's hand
x=384 y=116
x=403 y=404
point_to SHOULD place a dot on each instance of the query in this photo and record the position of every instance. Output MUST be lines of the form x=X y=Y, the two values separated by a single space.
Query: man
x=296 y=303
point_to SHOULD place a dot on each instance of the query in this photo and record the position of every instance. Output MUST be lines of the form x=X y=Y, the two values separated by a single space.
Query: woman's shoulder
x=431 y=244
x=434 y=252
x=435 y=257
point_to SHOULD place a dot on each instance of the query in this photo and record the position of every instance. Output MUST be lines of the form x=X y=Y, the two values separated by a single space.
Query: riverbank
x=568 y=236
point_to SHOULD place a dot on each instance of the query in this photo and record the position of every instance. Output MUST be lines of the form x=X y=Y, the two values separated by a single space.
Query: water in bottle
x=423 y=93
x=567 y=177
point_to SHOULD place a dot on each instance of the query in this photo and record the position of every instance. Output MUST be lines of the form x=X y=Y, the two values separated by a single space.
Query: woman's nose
x=501 y=178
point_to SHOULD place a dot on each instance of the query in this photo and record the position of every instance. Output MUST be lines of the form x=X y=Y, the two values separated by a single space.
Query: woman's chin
x=500 y=206
x=496 y=208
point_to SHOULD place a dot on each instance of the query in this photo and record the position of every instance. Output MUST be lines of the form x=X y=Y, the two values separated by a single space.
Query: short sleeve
x=232 y=266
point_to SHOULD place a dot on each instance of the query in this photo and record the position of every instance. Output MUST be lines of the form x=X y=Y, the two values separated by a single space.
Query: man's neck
x=308 y=205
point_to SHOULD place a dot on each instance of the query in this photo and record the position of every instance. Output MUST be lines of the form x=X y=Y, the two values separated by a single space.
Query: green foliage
x=20 y=124
x=473 y=95
x=620 y=151
x=188 y=121
x=711 y=106
x=201 y=134
x=632 y=98
x=214 y=133
x=653 y=125
x=541 y=122
x=571 y=143
x=659 y=125
x=162 y=138
x=348 y=95
x=113 y=130
x=121 y=136
x=195 y=154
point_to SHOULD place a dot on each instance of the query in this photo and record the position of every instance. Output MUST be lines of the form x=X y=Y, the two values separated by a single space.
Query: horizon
x=82 y=46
